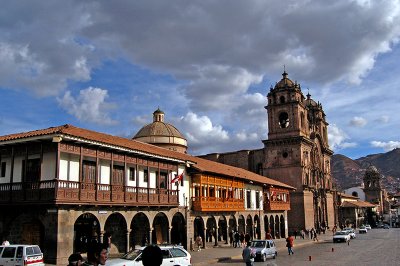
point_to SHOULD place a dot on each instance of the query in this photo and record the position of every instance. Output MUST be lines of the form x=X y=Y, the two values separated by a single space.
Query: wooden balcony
x=277 y=205
x=68 y=192
x=217 y=204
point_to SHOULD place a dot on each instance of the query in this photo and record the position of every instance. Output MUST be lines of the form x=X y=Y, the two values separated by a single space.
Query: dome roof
x=285 y=82
x=162 y=134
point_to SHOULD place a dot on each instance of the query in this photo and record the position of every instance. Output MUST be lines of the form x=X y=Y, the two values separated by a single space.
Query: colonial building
x=296 y=152
x=353 y=211
x=64 y=187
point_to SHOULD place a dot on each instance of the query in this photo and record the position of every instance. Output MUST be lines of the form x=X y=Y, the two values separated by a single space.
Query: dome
x=285 y=82
x=162 y=134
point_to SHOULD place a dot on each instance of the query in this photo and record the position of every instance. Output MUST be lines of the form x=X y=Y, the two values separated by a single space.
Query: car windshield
x=258 y=244
x=340 y=233
x=131 y=255
x=362 y=227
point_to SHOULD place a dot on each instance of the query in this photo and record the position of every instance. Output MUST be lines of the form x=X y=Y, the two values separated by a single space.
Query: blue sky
x=106 y=66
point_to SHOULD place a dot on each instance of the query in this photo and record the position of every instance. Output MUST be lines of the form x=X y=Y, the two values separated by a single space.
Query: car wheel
x=264 y=257
x=276 y=254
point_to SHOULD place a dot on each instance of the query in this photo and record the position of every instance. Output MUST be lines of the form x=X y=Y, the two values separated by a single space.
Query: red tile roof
x=102 y=138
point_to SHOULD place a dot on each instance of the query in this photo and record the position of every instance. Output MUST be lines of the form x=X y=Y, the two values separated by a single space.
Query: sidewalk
x=225 y=252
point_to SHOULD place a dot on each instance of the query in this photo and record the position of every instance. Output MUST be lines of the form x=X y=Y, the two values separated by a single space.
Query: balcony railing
x=217 y=204
x=277 y=205
x=69 y=192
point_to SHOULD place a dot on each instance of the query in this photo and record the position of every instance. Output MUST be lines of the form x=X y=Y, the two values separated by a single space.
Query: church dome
x=162 y=134
x=285 y=82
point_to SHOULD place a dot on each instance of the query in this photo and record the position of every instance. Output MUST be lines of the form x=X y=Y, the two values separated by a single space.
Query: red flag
x=177 y=178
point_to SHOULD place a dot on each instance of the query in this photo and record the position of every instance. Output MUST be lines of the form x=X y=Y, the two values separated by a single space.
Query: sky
x=209 y=65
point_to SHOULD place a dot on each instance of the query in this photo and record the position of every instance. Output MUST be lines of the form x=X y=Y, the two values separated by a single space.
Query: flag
x=177 y=178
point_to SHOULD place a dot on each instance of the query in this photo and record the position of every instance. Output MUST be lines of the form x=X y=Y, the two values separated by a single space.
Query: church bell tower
x=297 y=153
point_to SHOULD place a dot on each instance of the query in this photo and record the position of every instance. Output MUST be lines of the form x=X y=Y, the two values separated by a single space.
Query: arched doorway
x=272 y=226
x=211 y=229
x=249 y=226
x=86 y=230
x=140 y=230
x=116 y=227
x=242 y=224
x=198 y=228
x=257 y=227
x=277 y=227
x=222 y=229
x=178 y=231
x=282 y=225
x=160 y=231
x=266 y=226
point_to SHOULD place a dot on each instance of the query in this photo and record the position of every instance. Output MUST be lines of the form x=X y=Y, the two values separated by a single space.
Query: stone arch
x=241 y=224
x=232 y=223
x=222 y=229
x=266 y=226
x=211 y=227
x=116 y=227
x=257 y=226
x=140 y=230
x=198 y=228
x=249 y=226
x=178 y=230
x=282 y=227
x=27 y=230
x=160 y=229
x=86 y=230
x=272 y=226
x=277 y=226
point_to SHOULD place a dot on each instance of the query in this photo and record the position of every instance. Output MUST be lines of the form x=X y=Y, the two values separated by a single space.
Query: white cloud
x=383 y=119
x=337 y=138
x=387 y=146
x=89 y=106
x=358 y=121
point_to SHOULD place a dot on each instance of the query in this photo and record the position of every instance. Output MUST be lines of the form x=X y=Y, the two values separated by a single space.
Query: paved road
x=377 y=247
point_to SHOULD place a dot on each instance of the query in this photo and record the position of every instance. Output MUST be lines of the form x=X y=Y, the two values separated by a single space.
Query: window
x=118 y=175
x=132 y=173
x=284 y=120
x=176 y=252
x=8 y=252
x=89 y=171
x=19 y=252
x=248 y=199
x=145 y=175
x=31 y=171
x=257 y=200
x=3 y=169
x=163 y=180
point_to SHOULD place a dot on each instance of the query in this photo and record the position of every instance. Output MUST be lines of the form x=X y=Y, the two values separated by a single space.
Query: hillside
x=349 y=173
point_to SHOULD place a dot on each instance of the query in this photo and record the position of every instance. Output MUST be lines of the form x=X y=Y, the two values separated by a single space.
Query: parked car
x=368 y=227
x=341 y=236
x=173 y=255
x=264 y=249
x=16 y=255
x=351 y=232
x=362 y=230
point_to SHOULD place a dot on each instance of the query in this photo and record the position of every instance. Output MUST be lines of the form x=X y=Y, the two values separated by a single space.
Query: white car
x=362 y=230
x=351 y=232
x=173 y=255
x=264 y=249
x=341 y=236
x=368 y=227
x=21 y=255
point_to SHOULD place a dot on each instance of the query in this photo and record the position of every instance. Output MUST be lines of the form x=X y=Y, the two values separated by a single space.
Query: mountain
x=349 y=173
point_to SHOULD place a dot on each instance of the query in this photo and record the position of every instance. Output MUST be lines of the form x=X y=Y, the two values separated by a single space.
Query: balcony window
x=248 y=199
x=3 y=169
x=145 y=175
x=31 y=170
x=257 y=200
x=88 y=171
x=118 y=175
x=132 y=173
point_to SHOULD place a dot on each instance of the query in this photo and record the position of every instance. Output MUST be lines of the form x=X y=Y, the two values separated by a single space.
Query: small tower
x=373 y=186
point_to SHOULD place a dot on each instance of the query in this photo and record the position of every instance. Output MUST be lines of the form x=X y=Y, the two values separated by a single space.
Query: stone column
x=216 y=237
x=128 y=233
x=101 y=236
x=151 y=236
x=169 y=235
x=204 y=238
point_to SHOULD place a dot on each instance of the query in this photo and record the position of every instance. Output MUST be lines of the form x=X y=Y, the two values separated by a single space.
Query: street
x=377 y=247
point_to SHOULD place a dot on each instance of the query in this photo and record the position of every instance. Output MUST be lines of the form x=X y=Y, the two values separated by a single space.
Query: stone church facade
x=297 y=153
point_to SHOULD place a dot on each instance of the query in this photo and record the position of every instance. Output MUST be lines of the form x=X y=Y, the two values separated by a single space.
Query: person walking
x=242 y=239
x=237 y=240
x=248 y=255
x=289 y=244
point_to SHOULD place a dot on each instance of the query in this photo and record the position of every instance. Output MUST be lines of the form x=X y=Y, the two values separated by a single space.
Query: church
x=296 y=153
